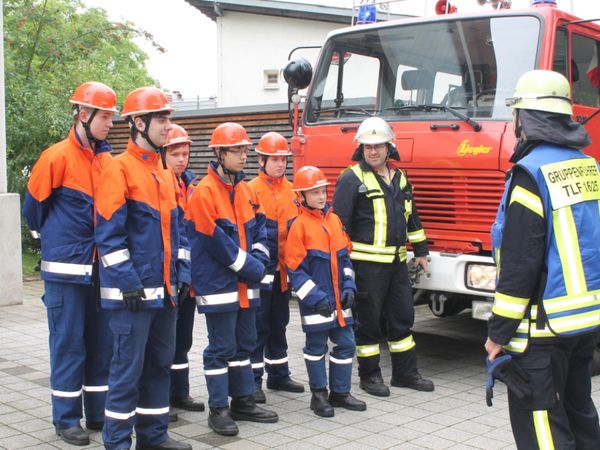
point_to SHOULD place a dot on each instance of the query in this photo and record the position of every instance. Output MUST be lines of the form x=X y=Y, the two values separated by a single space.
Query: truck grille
x=458 y=200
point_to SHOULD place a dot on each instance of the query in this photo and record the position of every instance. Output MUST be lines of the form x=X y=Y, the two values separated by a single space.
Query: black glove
x=183 y=293
x=103 y=146
x=347 y=298
x=505 y=369
x=324 y=308
x=133 y=299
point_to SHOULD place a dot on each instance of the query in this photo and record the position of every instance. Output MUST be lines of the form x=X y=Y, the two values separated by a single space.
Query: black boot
x=244 y=408
x=187 y=403
x=347 y=401
x=169 y=444
x=259 y=396
x=373 y=384
x=319 y=403
x=416 y=382
x=73 y=435
x=220 y=421
x=288 y=386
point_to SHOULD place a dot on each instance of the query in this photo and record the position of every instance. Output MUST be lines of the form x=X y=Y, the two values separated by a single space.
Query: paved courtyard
x=450 y=353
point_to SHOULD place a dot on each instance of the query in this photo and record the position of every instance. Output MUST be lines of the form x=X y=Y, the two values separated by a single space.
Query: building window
x=271 y=79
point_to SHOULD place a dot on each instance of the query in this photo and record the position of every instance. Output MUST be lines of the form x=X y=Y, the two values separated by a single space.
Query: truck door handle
x=452 y=126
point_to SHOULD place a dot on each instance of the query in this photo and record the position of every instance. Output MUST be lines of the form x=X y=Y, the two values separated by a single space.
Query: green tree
x=52 y=46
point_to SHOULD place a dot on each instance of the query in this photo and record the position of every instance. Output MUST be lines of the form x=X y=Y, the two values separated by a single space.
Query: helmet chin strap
x=229 y=173
x=86 y=126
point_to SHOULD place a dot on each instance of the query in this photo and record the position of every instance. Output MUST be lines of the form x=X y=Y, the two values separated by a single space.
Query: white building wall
x=244 y=54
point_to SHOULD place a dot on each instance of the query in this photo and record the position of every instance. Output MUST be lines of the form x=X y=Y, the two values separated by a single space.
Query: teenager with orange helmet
x=177 y=152
x=145 y=258
x=59 y=209
x=226 y=226
x=280 y=205
x=317 y=254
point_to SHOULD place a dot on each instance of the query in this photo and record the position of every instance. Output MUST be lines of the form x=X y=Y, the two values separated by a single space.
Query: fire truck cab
x=441 y=82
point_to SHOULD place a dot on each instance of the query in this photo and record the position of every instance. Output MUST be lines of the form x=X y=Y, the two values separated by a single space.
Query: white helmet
x=374 y=130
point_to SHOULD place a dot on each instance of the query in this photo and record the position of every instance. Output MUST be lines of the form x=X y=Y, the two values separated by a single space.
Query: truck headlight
x=481 y=277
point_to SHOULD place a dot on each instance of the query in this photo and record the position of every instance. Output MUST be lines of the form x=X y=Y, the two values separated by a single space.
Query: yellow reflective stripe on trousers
x=528 y=199
x=402 y=345
x=509 y=306
x=542 y=430
x=364 y=351
x=567 y=242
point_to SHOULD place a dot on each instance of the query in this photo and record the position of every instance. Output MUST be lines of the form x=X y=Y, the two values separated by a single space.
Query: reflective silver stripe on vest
x=225 y=298
x=116 y=294
x=239 y=261
x=268 y=279
x=184 y=254
x=152 y=411
x=66 y=268
x=305 y=289
x=116 y=257
x=262 y=248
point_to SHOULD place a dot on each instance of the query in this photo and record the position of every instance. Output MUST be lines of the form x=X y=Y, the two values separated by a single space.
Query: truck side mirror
x=297 y=74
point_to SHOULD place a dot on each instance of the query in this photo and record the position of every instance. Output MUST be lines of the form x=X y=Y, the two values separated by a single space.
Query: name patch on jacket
x=572 y=181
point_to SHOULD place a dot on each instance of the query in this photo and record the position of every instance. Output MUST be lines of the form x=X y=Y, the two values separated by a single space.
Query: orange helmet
x=273 y=144
x=145 y=100
x=309 y=177
x=177 y=135
x=93 y=94
x=229 y=134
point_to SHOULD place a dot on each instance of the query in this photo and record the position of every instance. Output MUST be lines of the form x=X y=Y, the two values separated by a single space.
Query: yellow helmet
x=542 y=90
x=374 y=130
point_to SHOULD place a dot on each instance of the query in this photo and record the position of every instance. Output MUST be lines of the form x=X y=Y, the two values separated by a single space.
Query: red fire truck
x=441 y=82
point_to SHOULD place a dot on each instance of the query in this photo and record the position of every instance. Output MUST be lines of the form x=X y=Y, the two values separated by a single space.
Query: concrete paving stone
x=408 y=446
x=433 y=442
x=354 y=446
x=463 y=447
x=326 y=440
x=473 y=427
x=19 y=441
x=271 y=440
x=214 y=440
x=350 y=433
x=243 y=445
x=6 y=431
x=381 y=441
x=301 y=432
x=296 y=418
x=424 y=426
x=7 y=365
x=445 y=419
x=395 y=419
x=487 y=443
x=190 y=430
x=15 y=417
x=453 y=434
x=28 y=403
x=300 y=445
x=33 y=426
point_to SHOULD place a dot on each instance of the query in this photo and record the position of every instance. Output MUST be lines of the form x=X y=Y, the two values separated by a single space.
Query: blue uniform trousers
x=231 y=338
x=80 y=351
x=340 y=358
x=180 y=369
x=144 y=345
x=272 y=318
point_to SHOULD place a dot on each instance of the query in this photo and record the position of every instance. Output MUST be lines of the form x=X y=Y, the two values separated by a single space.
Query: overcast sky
x=189 y=65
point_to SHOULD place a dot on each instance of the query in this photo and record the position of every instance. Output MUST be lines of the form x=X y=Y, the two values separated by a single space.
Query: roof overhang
x=216 y=8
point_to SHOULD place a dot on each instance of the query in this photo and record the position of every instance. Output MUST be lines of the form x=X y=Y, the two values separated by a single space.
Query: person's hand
x=183 y=293
x=492 y=349
x=133 y=299
x=324 y=308
x=347 y=298
x=423 y=261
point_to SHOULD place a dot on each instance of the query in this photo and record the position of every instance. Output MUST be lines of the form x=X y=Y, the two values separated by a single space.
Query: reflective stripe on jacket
x=59 y=208
x=280 y=205
x=139 y=231
x=226 y=227
x=317 y=255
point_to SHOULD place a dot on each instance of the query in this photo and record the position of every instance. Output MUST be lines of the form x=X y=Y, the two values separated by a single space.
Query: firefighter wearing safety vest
x=375 y=202
x=317 y=255
x=280 y=205
x=144 y=259
x=546 y=246
x=59 y=210
x=177 y=156
x=226 y=227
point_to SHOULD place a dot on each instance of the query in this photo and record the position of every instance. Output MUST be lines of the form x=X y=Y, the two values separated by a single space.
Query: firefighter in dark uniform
x=545 y=238
x=374 y=201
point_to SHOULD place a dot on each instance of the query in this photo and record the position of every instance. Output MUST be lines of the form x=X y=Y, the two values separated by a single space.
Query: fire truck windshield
x=469 y=65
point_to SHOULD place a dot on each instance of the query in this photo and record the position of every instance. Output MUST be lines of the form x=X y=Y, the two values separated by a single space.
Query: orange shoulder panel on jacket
x=48 y=172
x=112 y=192
x=295 y=246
